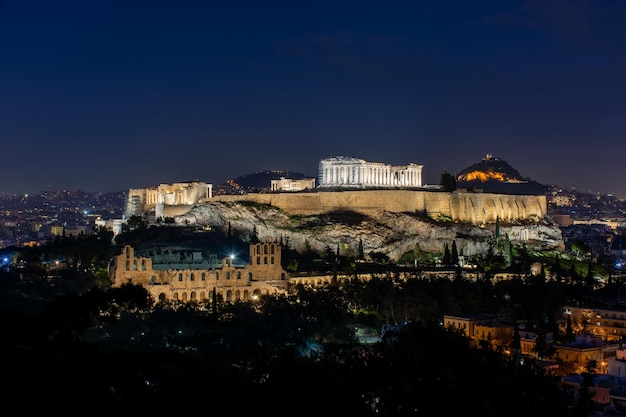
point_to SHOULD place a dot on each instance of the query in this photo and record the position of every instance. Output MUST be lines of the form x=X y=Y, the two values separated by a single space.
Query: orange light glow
x=484 y=176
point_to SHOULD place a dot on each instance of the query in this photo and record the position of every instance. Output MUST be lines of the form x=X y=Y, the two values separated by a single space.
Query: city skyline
x=111 y=96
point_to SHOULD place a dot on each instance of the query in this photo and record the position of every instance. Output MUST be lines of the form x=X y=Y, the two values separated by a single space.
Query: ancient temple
x=341 y=171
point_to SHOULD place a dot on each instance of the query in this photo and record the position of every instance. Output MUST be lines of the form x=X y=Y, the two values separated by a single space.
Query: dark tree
x=589 y=281
x=574 y=277
x=361 y=250
x=557 y=270
x=454 y=255
x=133 y=222
x=542 y=347
x=447 y=182
x=497 y=228
x=584 y=404
x=214 y=301
x=255 y=237
x=130 y=297
x=580 y=247
x=569 y=332
x=328 y=254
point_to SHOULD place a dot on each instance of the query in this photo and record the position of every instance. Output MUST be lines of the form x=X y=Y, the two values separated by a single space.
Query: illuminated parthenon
x=341 y=171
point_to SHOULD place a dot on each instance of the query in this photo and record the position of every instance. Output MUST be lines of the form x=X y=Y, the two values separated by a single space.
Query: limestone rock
x=392 y=234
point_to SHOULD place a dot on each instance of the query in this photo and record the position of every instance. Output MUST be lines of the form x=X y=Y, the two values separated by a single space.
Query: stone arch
x=184 y=296
x=162 y=297
x=192 y=297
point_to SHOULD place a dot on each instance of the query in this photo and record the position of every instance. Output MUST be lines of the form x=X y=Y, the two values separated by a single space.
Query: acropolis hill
x=392 y=222
x=353 y=184
x=392 y=212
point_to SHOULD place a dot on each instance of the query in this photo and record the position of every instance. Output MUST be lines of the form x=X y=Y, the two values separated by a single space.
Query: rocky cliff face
x=390 y=233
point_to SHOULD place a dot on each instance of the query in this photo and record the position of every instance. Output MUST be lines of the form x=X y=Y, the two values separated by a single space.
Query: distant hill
x=495 y=175
x=257 y=182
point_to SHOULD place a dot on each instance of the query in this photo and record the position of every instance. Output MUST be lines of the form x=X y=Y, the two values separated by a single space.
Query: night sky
x=111 y=95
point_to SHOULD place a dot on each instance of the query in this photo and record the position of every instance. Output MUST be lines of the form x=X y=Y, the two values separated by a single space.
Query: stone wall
x=264 y=275
x=173 y=211
x=474 y=208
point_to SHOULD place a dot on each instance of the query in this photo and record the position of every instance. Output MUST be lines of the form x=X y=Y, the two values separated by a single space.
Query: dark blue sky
x=111 y=95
